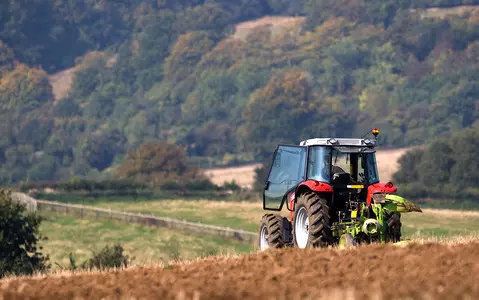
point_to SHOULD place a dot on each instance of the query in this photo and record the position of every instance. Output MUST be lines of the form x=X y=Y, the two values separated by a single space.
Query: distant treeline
x=148 y=70
x=123 y=186
x=447 y=169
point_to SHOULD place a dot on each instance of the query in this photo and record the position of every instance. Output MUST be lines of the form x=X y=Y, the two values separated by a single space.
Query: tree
x=100 y=149
x=286 y=110
x=287 y=97
x=19 y=236
x=212 y=139
x=409 y=167
x=24 y=89
x=436 y=164
x=157 y=163
x=465 y=173
x=88 y=76
x=187 y=52
x=212 y=99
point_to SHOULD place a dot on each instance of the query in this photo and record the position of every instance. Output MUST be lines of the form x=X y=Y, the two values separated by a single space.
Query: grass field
x=146 y=245
x=246 y=216
x=152 y=245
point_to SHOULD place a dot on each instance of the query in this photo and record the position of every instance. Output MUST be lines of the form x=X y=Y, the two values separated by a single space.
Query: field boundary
x=147 y=220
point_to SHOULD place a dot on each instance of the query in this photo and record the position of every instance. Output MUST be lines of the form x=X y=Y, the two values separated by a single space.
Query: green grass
x=440 y=223
x=237 y=215
x=145 y=245
x=150 y=245
x=246 y=216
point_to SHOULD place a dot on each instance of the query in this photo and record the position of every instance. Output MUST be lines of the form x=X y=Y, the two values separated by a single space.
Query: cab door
x=287 y=170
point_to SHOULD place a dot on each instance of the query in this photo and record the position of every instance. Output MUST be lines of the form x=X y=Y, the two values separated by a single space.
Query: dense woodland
x=174 y=71
x=446 y=169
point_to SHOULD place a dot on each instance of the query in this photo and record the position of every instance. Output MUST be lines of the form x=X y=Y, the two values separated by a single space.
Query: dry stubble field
x=417 y=271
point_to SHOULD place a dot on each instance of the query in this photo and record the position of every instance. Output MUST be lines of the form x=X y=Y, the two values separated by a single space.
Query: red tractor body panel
x=312 y=185
x=380 y=187
x=316 y=186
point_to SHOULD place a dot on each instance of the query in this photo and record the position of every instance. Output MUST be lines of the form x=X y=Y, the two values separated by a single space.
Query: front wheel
x=311 y=226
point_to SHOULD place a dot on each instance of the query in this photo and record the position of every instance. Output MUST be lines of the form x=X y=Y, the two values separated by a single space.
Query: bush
x=189 y=185
x=19 y=236
x=79 y=184
x=231 y=186
x=157 y=163
x=108 y=257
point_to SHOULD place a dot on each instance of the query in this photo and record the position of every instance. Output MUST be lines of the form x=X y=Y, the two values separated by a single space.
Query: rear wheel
x=273 y=232
x=311 y=226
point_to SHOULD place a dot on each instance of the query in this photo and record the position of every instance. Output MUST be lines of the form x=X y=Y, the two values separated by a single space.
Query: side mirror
x=266 y=184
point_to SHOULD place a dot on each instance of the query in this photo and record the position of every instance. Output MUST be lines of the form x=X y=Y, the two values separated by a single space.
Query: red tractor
x=331 y=188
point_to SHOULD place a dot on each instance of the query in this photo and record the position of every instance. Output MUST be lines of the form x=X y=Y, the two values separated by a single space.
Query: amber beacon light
x=375 y=131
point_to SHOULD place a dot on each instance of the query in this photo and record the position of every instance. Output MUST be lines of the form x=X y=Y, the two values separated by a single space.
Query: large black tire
x=277 y=229
x=394 y=226
x=319 y=229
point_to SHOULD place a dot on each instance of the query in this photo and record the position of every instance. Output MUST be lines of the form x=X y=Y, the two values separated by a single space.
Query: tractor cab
x=340 y=168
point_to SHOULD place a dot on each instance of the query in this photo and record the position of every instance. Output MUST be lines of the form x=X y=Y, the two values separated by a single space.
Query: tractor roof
x=339 y=142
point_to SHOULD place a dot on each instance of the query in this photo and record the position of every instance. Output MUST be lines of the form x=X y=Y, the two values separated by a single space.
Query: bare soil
x=417 y=271
x=61 y=82
x=243 y=175
x=244 y=28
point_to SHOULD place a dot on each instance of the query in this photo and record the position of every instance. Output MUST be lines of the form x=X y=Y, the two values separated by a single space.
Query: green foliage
x=447 y=168
x=289 y=97
x=67 y=108
x=186 y=53
x=19 y=237
x=176 y=71
x=107 y=258
x=157 y=163
x=24 y=89
x=79 y=184
x=172 y=247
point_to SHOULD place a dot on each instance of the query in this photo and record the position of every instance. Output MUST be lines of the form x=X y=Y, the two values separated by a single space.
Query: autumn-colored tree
x=88 y=75
x=187 y=52
x=157 y=163
x=24 y=88
x=279 y=111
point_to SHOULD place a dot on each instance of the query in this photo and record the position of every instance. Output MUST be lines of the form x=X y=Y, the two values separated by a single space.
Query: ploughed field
x=417 y=271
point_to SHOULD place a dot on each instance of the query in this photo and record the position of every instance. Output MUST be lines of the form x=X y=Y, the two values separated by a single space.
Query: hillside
x=419 y=271
x=81 y=85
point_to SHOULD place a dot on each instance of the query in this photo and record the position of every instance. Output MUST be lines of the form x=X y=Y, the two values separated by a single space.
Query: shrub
x=108 y=257
x=231 y=186
x=19 y=236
